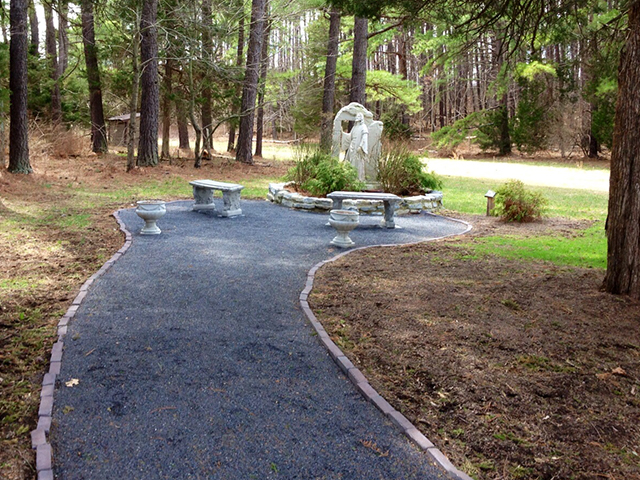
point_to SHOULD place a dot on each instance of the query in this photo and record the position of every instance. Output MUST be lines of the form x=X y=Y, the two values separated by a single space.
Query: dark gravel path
x=194 y=359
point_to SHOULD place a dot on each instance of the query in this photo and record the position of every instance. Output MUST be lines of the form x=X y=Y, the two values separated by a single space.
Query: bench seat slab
x=203 y=196
x=389 y=200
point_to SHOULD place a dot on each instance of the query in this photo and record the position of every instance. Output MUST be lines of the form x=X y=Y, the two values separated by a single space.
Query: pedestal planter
x=150 y=211
x=343 y=221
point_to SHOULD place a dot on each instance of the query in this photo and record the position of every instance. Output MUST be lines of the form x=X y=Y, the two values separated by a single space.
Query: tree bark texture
x=52 y=54
x=505 y=137
x=167 y=84
x=231 y=144
x=19 y=128
x=183 y=124
x=34 y=43
x=150 y=98
x=63 y=37
x=264 y=65
x=197 y=153
x=359 y=64
x=623 y=222
x=250 y=86
x=207 y=59
x=98 y=127
x=329 y=91
x=133 y=104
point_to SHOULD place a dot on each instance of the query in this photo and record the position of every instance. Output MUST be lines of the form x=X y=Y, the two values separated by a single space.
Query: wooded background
x=465 y=75
x=534 y=74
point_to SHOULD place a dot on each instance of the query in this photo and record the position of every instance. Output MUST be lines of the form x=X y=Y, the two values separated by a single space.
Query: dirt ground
x=515 y=370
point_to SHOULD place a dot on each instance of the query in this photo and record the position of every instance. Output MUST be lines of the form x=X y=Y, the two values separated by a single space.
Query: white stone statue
x=362 y=145
x=358 y=151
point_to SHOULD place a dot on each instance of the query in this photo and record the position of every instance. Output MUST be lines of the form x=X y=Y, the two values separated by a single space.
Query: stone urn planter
x=150 y=211
x=343 y=221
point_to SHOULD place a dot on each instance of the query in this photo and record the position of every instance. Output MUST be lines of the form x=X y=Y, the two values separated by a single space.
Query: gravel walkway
x=193 y=359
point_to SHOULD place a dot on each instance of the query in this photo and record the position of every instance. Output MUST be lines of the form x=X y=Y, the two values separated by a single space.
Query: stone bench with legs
x=389 y=200
x=203 y=196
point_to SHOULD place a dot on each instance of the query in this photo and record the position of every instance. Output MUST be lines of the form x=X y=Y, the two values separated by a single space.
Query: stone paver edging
x=39 y=436
x=361 y=382
x=430 y=202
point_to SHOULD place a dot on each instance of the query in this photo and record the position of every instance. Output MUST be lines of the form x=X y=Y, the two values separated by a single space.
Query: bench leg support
x=203 y=198
x=389 y=213
x=231 y=204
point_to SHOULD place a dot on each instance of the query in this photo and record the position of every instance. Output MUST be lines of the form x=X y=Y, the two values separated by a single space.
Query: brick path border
x=39 y=436
x=361 y=382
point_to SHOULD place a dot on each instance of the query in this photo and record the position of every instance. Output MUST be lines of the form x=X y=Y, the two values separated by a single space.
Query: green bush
x=402 y=173
x=319 y=174
x=514 y=203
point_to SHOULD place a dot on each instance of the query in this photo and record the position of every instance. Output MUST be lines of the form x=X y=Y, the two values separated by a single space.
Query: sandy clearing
x=563 y=177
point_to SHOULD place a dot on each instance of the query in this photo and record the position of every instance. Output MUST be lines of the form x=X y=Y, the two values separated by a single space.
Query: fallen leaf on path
x=72 y=383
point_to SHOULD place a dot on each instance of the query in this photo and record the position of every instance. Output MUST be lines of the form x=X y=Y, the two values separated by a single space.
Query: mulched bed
x=513 y=369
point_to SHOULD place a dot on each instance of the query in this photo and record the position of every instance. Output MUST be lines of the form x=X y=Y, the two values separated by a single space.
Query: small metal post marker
x=491 y=195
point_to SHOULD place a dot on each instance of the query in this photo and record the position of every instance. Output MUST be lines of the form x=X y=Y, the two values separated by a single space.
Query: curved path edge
x=39 y=436
x=358 y=378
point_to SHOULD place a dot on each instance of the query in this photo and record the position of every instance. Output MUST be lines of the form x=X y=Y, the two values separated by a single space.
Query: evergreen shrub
x=515 y=203
x=319 y=173
x=402 y=173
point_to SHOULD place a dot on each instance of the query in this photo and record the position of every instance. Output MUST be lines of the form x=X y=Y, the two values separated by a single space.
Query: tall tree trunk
x=623 y=222
x=250 y=86
x=207 y=59
x=133 y=105
x=231 y=144
x=34 y=43
x=167 y=83
x=359 y=63
x=503 y=125
x=52 y=54
x=63 y=37
x=329 y=92
x=98 y=128
x=264 y=65
x=197 y=153
x=592 y=145
x=150 y=99
x=18 y=128
x=504 y=145
x=183 y=124
x=589 y=143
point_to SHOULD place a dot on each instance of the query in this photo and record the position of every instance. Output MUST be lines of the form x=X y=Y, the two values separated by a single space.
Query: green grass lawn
x=587 y=248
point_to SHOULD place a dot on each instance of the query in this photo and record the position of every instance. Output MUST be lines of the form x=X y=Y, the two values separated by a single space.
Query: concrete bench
x=389 y=200
x=203 y=196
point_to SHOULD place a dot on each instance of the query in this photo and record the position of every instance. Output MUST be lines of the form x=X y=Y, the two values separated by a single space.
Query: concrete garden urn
x=150 y=211
x=343 y=221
